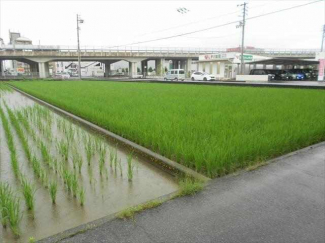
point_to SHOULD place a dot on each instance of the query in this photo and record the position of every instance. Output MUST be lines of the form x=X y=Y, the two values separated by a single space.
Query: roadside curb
x=96 y=223
x=157 y=158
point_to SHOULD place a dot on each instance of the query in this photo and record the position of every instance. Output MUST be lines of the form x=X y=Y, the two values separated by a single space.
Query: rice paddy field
x=56 y=175
x=211 y=129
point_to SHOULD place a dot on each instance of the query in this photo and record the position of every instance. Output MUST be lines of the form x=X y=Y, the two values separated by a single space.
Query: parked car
x=175 y=74
x=63 y=75
x=297 y=74
x=263 y=72
x=202 y=76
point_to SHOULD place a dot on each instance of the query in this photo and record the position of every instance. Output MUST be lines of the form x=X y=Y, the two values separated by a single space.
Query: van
x=175 y=74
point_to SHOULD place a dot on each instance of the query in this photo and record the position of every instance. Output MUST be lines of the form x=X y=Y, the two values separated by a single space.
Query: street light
x=183 y=10
x=79 y=21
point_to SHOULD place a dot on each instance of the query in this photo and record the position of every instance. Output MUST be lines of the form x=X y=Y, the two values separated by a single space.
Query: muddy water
x=105 y=193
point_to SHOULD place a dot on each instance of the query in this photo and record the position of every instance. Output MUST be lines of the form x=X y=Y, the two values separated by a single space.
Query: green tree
x=150 y=69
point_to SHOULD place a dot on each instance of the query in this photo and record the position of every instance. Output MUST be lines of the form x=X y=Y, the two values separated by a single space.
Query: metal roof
x=285 y=61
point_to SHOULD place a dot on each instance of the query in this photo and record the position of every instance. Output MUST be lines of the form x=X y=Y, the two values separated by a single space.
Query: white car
x=202 y=76
x=63 y=75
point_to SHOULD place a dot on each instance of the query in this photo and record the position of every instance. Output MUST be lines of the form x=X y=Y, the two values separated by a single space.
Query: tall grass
x=211 y=129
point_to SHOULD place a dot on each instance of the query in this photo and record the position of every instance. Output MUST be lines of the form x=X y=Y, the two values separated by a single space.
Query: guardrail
x=165 y=50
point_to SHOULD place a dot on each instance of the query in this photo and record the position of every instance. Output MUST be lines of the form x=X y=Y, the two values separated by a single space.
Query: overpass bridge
x=39 y=56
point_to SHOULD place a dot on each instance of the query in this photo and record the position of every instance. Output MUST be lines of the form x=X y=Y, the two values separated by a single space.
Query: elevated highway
x=39 y=56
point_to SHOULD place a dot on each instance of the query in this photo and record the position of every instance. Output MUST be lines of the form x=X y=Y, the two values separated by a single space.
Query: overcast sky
x=115 y=23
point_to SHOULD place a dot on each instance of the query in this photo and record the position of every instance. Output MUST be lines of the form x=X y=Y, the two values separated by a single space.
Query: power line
x=218 y=26
x=198 y=21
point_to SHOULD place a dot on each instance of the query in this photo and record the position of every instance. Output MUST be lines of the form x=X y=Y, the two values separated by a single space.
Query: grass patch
x=190 y=186
x=211 y=129
x=130 y=212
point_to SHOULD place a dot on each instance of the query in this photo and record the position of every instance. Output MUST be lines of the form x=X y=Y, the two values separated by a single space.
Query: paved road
x=281 y=202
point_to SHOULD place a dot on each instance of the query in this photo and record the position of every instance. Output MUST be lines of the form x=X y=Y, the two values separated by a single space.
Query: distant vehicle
x=137 y=76
x=63 y=75
x=202 y=76
x=175 y=74
x=297 y=74
x=263 y=72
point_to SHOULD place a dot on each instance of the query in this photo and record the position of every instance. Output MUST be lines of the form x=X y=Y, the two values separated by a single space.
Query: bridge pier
x=43 y=69
x=2 y=71
x=144 y=67
x=160 y=66
x=133 y=69
x=107 y=69
x=34 y=69
x=188 y=67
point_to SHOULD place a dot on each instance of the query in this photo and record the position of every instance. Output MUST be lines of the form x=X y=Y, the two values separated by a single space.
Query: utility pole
x=242 y=25
x=79 y=20
x=323 y=39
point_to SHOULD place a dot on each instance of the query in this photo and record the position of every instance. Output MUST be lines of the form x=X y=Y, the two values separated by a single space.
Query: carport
x=285 y=63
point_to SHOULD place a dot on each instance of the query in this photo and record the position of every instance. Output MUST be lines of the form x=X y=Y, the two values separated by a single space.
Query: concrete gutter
x=157 y=159
x=94 y=224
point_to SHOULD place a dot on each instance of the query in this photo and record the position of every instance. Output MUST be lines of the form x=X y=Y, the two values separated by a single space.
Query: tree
x=150 y=69
x=166 y=70
x=138 y=70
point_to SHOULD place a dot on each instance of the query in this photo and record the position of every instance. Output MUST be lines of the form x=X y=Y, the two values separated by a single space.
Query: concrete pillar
x=1 y=68
x=160 y=66
x=107 y=69
x=188 y=67
x=133 y=69
x=43 y=69
x=264 y=66
x=144 y=67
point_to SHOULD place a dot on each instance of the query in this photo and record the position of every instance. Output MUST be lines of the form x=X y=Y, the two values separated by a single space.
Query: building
x=13 y=66
x=225 y=65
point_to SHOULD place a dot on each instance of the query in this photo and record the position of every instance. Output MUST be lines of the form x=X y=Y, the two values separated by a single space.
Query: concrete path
x=280 y=202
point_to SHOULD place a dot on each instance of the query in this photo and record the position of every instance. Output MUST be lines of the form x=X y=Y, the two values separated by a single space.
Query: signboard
x=20 y=70
x=321 y=57
x=247 y=57
x=321 y=69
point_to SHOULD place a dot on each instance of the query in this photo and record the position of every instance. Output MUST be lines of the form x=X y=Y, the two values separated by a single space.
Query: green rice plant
x=81 y=196
x=44 y=152
x=9 y=208
x=89 y=150
x=111 y=156
x=28 y=192
x=5 y=197
x=14 y=215
x=36 y=166
x=102 y=160
x=63 y=148
x=130 y=166
x=44 y=177
x=115 y=160
x=53 y=186
x=213 y=130
x=31 y=240
x=10 y=142
x=74 y=183
x=120 y=167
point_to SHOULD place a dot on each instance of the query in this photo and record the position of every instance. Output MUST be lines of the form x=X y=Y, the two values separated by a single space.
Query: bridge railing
x=144 y=50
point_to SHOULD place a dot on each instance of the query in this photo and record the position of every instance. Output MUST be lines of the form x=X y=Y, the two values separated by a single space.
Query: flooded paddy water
x=88 y=177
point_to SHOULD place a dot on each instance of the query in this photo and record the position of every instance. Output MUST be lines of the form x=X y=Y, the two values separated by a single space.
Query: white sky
x=111 y=23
